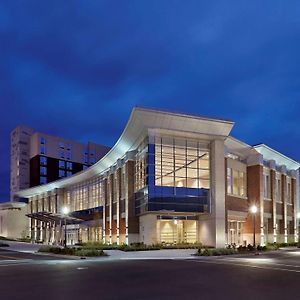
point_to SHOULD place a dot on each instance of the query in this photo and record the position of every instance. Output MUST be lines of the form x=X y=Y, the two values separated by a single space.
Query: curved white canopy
x=140 y=121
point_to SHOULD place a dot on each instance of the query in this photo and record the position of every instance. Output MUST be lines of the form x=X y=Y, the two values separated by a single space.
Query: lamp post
x=253 y=210
x=65 y=211
x=298 y=217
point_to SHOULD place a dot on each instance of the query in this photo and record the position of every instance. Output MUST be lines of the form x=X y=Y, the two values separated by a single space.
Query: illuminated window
x=229 y=180
x=181 y=163
x=236 y=182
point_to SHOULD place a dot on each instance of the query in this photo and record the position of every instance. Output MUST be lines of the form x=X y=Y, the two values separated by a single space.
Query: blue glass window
x=43 y=160
x=61 y=164
x=43 y=170
x=43 y=179
x=61 y=173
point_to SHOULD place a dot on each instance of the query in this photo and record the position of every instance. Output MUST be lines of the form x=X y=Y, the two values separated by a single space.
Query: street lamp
x=253 y=210
x=298 y=217
x=65 y=211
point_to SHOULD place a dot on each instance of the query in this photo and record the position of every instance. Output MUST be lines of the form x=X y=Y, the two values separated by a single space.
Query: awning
x=52 y=217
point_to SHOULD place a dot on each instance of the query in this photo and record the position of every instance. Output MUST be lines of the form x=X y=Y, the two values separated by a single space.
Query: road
x=267 y=276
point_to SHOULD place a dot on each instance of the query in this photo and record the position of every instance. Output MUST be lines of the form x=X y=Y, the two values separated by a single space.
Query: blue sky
x=76 y=68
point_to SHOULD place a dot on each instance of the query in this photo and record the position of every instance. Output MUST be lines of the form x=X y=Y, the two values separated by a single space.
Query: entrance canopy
x=52 y=217
x=76 y=217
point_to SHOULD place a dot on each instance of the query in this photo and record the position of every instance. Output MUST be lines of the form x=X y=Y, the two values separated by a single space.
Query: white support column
x=296 y=207
x=212 y=225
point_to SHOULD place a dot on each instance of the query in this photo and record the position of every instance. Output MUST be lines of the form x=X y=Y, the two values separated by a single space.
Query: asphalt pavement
x=273 y=275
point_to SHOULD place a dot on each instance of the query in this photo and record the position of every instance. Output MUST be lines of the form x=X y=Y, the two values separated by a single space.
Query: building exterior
x=39 y=158
x=172 y=178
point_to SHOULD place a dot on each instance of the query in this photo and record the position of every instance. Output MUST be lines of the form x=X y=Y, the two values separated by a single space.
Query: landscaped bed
x=203 y=251
x=137 y=246
x=72 y=251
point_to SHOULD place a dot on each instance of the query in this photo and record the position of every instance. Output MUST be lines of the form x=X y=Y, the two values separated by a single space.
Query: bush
x=90 y=253
x=3 y=238
x=215 y=252
x=58 y=250
x=72 y=251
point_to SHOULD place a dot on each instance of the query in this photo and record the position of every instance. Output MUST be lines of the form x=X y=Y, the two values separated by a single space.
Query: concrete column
x=110 y=195
x=284 y=200
x=118 y=193
x=273 y=196
x=212 y=225
x=296 y=205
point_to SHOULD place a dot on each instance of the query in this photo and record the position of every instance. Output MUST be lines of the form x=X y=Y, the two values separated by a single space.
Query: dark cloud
x=64 y=63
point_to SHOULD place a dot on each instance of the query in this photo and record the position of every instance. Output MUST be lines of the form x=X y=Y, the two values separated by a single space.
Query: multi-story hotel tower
x=172 y=178
x=38 y=158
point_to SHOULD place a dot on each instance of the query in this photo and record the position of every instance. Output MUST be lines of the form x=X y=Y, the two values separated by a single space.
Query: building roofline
x=284 y=158
x=140 y=121
x=184 y=114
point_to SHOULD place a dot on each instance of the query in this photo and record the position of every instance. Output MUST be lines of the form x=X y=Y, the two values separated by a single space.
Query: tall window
x=42 y=149
x=229 y=181
x=236 y=182
x=181 y=163
x=289 y=193
x=278 y=190
x=267 y=186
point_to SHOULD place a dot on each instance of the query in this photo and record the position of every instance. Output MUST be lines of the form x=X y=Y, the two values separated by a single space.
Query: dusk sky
x=77 y=68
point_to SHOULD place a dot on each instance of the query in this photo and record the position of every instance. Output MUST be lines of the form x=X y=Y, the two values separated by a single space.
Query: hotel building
x=39 y=158
x=172 y=178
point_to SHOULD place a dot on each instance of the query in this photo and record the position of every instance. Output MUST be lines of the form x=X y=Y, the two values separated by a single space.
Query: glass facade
x=173 y=175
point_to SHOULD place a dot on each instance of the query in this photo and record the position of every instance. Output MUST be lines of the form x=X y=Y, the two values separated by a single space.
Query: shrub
x=215 y=252
x=90 y=253
x=58 y=250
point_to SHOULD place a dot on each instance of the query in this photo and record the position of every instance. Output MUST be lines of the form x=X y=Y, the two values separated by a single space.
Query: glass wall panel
x=181 y=163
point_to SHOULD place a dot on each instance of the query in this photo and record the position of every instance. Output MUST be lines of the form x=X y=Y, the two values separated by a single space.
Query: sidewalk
x=22 y=247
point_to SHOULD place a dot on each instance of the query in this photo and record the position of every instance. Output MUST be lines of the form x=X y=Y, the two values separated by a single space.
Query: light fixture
x=175 y=222
x=65 y=210
x=253 y=209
